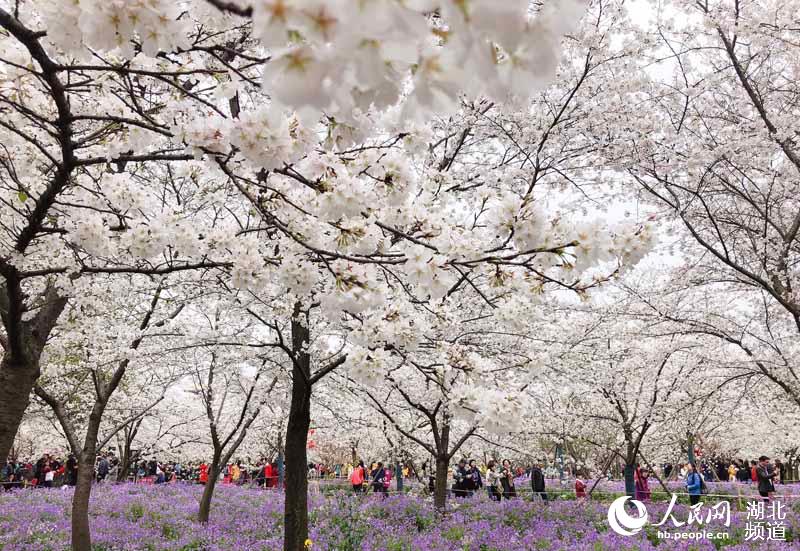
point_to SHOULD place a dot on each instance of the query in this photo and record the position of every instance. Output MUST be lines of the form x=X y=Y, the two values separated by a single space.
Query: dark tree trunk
x=296 y=507
x=19 y=367
x=208 y=491
x=398 y=473
x=440 y=489
x=81 y=535
x=442 y=462
x=125 y=461
x=124 y=466
x=296 y=483
x=16 y=383
x=630 y=467
x=630 y=483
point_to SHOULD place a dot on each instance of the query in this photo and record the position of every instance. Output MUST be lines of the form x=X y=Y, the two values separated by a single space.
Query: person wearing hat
x=766 y=475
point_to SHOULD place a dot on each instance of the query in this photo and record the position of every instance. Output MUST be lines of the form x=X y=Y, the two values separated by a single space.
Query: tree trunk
x=630 y=483
x=629 y=469
x=124 y=461
x=19 y=367
x=442 y=462
x=81 y=535
x=398 y=473
x=296 y=483
x=124 y=467
x=128 y=435
x=16 y=383
x=440 y=489
x=208 y=491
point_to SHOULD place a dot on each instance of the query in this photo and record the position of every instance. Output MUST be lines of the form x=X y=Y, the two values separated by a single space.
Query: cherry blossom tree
x=718 y=153
x=101 y=364
x=63 y=205
x=232 y=405
x=626 y=388
x=166 y=430
x=288 y=147
x=100 y=93
x=417 y=396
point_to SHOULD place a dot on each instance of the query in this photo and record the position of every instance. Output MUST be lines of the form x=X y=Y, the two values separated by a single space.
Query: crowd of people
x=500 y=479
x=261 y=473
x=48 y=471
x=51 y=471
x=466 y=478
x=378 y=477
x=761 y=472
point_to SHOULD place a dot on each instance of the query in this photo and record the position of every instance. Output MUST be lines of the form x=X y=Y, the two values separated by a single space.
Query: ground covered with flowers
x=132 y=517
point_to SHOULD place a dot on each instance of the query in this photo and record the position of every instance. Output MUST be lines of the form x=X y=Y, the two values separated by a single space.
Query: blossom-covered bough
x=82 y=374
x=620 y=385
x=718 y=151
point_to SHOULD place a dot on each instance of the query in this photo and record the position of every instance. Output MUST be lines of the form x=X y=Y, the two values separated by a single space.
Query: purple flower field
x=133 y=517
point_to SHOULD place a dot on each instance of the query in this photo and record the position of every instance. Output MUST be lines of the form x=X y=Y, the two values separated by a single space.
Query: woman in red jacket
x=580 y=488
x=357 y=477
x=268 y=475
x=641 y=484
x=203 y=473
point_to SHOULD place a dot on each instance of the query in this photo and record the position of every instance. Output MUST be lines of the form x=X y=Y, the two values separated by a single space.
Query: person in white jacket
x=493 y=480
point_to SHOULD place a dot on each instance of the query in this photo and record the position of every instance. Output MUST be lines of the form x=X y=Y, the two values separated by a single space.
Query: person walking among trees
x=460 y=479
x=113 y=469
x=71 y=470
x=493 y=480
x=102 y=468
x=580 y=489
x=474 y=481
x=694 y=483
x=766 y=474
x=507 y=480
x=357 y=478
x=537 y=482
x=641 y=484
x=387 y=480
x=742 y=472
x=38 y=471
x=378 y=476
x=780 y=470
x=7 y=474
x=267 y=474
